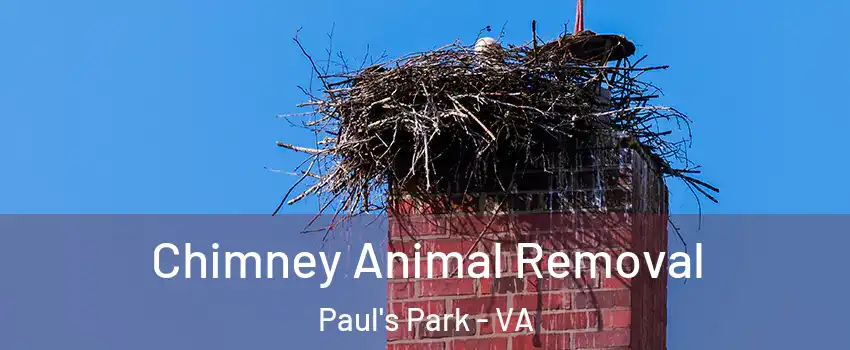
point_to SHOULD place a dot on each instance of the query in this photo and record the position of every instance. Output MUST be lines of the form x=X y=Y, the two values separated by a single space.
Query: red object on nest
x=579 y=17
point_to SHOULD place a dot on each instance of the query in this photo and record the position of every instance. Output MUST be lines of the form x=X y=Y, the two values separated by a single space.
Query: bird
x=486 y=44
x=489 y=53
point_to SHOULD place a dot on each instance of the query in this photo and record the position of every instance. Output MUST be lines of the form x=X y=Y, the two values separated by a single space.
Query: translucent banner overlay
x=90 y=282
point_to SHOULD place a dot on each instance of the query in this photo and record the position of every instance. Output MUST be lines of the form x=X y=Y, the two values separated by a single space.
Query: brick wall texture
x=630 y=202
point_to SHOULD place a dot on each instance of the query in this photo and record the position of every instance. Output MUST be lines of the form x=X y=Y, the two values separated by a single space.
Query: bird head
x=486 y=44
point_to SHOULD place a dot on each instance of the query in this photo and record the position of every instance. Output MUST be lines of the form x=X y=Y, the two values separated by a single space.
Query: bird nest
x=458 y=120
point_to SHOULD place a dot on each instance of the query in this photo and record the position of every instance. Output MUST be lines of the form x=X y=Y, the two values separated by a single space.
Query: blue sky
x=169 y=106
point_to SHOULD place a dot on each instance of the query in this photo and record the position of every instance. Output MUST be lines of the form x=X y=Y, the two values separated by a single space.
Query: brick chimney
x=598 y=199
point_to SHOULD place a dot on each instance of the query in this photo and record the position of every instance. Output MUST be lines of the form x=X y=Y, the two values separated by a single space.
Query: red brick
x=480 y=344
x=452 y=328
x=506 y=241
x=616 y=318
x=400 y=290
x=480 y=305
x=565 y=321
x=576 y=314
x=621 y=237
x=542 y=302
x=400 y=309
x=602 y=299
x=544 y=341
x=447 y=246
x=417 y=346
x=502 y=285
x=475 y=224
x=401 y=246
x=442 y=245
x=486 y=285
x=532 y=222
x=447 y=287
x=485 y=328
x=534 y=284
x=602 y=339
x=414 y=226
x=506 y=264
x=398 y=270
x=616 y=282
x=403 y=332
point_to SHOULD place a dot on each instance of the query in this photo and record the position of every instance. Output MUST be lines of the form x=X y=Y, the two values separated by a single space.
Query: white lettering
x=174 y=270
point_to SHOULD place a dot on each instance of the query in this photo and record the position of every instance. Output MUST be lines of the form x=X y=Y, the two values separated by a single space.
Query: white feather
x=486 y=43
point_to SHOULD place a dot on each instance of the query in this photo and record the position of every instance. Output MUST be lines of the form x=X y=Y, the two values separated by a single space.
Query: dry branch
x=426 y=122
